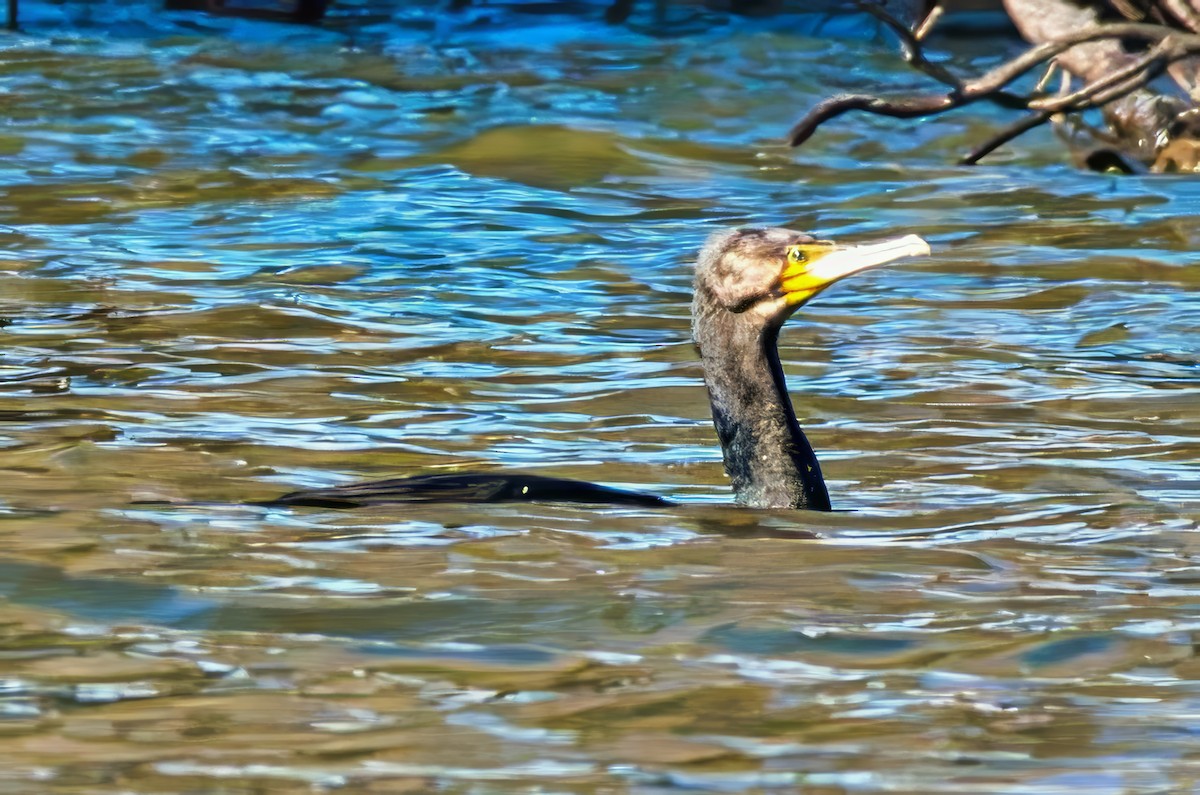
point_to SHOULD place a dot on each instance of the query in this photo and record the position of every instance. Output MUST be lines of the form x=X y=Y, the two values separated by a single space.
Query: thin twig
x=910 y=43
x=931 y=19
x=1044 y=80
x=1004 y=136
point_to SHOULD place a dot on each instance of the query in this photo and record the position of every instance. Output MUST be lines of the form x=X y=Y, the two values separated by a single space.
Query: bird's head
x=772 y=272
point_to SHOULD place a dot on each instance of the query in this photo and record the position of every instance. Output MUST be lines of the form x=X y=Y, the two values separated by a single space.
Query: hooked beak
x=801 y=281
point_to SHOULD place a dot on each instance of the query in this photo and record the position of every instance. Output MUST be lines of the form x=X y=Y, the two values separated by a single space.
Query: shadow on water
x=109 y=602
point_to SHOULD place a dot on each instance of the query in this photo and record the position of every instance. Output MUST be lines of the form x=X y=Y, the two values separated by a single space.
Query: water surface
x=241 y=259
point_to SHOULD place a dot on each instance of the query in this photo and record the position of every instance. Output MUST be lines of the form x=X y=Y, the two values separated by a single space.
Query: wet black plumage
x=466 y=487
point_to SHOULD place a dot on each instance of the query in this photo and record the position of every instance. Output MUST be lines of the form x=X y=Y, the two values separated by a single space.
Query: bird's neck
x=767 y=457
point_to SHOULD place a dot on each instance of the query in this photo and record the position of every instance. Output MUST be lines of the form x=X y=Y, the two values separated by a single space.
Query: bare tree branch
x=1166 y=47
x=1136 y=73
x=833 y=107
x=1004 y=136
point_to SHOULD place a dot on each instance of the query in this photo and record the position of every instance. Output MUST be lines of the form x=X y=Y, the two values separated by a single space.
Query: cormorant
x=748 y=282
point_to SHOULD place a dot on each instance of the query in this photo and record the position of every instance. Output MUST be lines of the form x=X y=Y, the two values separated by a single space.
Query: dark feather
x=467 y=487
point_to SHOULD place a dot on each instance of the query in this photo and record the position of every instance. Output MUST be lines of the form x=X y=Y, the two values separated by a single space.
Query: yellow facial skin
x=797 y=281
x=811 y=267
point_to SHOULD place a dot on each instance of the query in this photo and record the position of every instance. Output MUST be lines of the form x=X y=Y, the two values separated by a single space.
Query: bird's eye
x=796 y=256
